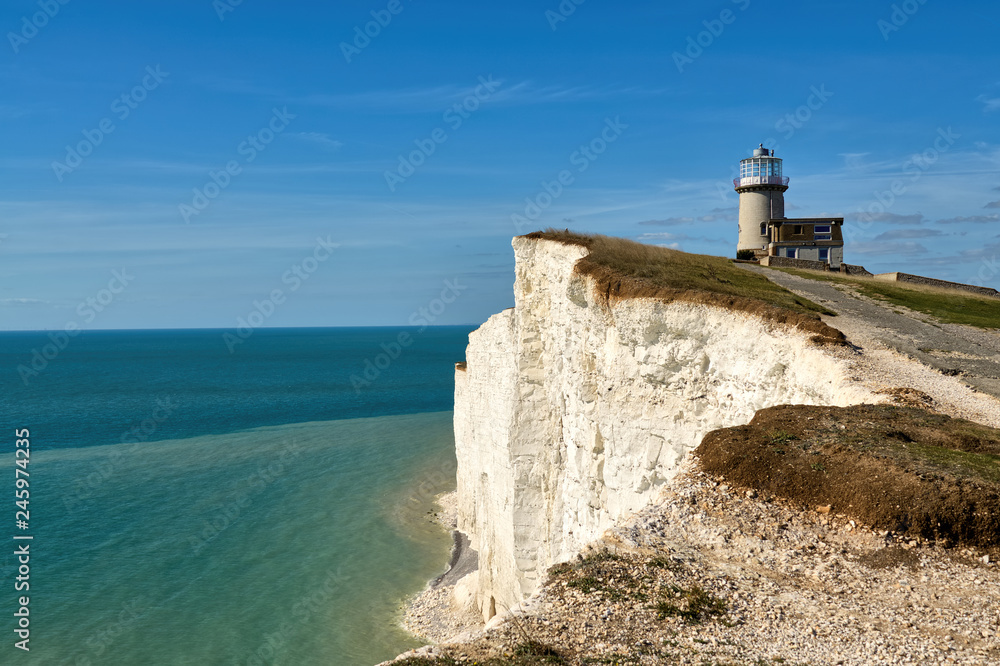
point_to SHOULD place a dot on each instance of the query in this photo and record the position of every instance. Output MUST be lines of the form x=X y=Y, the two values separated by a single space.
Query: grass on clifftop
x=900 y=469
x=626 y=269
x=948 y=306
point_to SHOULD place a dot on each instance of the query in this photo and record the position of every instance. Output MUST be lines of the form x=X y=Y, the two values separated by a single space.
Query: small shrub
x=745 y=254
x=533 y=648
x=692 y=606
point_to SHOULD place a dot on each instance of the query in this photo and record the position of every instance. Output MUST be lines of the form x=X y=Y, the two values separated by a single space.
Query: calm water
x=192 y=506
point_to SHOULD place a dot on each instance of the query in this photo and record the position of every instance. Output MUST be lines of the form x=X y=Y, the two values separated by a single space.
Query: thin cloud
x=437 y=98
x=875 y=249
x=716 y=215
x=973 y=219
x=318 y=139
x=898 y=234
x=665 y=236
x=888 y=218
x=990 y=104
x=667 y=239
x=854 y=160
x=668 y=222
x=992 y=204
x=22 y=301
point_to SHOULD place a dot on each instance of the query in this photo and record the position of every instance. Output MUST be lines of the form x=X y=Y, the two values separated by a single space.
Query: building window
x=824 y=254
x=822 y=228
x=791 y=252
x=820 y=237
x=797 y=230
x=763 y=228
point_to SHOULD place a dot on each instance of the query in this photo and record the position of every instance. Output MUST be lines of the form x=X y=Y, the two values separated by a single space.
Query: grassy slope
x=626 y=269
x=896 y=468
x=950 y=307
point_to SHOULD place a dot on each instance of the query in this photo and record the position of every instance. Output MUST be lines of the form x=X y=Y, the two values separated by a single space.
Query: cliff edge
x=577 y=405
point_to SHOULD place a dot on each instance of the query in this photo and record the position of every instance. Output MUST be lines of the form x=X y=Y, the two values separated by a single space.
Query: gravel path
x=971 y=353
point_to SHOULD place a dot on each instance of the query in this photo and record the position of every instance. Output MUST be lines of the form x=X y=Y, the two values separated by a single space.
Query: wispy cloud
x=437 y=98
x=854 y=160
x=715 y=215
x=992 y=204
x=898 y=234
x=990 y=104
x=320 y=139
x=667 y=239
x=875 y=249
x=668 y=221
x=888 y=218
x=974 y=219
x=22 y=301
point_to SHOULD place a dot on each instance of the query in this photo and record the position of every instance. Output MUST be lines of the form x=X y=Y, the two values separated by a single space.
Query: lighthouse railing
x=760 y=180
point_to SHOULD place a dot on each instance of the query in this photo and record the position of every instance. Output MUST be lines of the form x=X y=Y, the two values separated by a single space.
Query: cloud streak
x=898 y=234
x=971 y=219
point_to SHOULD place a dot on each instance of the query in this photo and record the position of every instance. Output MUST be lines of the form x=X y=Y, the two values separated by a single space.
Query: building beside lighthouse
x=763 y=227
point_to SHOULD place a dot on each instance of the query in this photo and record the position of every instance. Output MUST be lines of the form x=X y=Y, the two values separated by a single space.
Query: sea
x=196 y=502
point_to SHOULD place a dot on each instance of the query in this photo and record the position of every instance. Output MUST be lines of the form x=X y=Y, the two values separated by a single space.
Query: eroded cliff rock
x=572 y=411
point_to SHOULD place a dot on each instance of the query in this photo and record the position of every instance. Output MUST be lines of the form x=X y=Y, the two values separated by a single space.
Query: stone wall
x=788 y=262
x=932 y=282
x=861 y=271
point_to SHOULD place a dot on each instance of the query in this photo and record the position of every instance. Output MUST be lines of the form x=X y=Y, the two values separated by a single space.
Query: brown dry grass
x=894 y=468
x=624 y=269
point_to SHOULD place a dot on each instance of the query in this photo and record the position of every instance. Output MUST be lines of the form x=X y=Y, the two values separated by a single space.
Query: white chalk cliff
x=573 y=412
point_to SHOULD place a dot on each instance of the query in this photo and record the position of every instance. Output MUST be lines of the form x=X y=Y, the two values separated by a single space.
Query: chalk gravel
x=800 y=586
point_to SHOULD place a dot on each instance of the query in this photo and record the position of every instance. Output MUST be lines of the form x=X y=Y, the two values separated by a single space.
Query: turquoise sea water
x=192 y=506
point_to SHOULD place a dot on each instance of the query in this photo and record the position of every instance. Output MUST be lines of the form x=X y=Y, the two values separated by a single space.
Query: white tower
x=762 y=197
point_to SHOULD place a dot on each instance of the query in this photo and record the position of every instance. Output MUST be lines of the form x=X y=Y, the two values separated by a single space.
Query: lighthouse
x=761 y=187
x=776 y=240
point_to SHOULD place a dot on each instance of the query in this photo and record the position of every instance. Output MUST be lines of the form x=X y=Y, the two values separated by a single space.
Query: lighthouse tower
x=762 y=197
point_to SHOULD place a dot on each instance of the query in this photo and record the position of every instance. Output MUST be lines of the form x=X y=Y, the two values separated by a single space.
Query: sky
x=187 y=164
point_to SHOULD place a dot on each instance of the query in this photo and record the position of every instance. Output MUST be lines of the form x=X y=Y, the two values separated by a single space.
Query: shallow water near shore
x=279 y=544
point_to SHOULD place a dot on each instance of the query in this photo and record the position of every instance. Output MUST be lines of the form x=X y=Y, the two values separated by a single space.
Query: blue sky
x=120 y=120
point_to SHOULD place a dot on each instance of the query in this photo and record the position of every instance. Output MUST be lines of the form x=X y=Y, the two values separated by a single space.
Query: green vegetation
x=950 y=307
x=692 y=605
x=744 y=255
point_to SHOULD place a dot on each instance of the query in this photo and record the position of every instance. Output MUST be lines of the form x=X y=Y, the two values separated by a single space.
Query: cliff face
x=572 y=413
